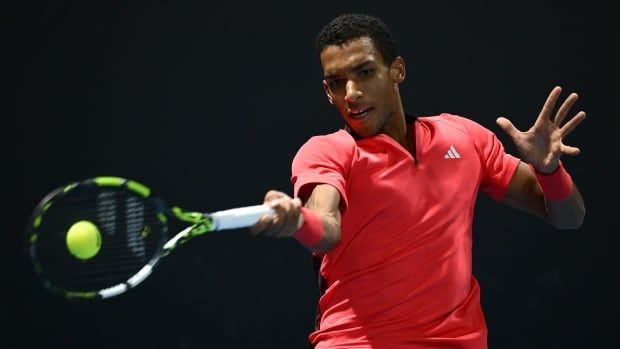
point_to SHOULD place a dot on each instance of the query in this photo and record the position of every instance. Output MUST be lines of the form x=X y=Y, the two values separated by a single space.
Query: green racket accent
x=162 y=217
x=39 y=218
x=81 y=294
x=69 y=187
x=37 y=222
x=110 y=181
x=134 y=186
x=202 y=222
x=139 y=188
x=187 y=216
x=187 y=234
x=201 y=228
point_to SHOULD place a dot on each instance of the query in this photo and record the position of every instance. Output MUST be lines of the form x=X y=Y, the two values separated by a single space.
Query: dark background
x=207 y=103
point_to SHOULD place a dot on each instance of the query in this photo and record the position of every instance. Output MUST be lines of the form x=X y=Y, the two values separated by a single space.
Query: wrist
x=557 y=185
x=311 y=231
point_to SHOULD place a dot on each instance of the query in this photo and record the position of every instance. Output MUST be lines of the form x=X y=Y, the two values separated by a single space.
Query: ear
x=326 y=89
x=397 y=68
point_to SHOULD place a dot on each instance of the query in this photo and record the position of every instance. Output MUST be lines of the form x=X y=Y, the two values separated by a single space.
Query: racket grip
x=240 y=217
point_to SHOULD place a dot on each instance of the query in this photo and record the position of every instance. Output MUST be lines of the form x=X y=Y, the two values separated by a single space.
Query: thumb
x=296 y=202
x=273 y=195
x=506 y=125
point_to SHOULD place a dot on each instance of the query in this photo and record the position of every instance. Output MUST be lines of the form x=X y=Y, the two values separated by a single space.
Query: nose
x=353 y=93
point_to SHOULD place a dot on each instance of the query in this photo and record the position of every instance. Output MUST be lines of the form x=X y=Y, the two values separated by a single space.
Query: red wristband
x=312 y=231
x=557 y=185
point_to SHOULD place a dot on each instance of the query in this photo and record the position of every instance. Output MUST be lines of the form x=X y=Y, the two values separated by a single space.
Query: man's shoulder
x=338 y=146
x=340 y=138
x=445 y=117
x=452 y=120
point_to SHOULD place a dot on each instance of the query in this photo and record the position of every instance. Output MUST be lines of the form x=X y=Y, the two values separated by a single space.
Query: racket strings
x=131 y=235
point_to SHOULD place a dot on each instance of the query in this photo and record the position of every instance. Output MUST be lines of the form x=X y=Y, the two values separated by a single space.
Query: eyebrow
x=355 y=68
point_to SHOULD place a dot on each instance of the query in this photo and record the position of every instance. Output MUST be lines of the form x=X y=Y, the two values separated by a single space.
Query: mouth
x=359 y=113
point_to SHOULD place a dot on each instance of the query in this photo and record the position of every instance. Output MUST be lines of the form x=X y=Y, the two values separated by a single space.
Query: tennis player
x=386 y=204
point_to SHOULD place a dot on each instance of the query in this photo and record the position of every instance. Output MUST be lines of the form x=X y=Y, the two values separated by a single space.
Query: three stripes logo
x=452 y=153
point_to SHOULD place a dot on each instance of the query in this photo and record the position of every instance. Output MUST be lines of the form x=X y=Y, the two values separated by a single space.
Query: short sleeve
x=324 y=160
x=498 y=167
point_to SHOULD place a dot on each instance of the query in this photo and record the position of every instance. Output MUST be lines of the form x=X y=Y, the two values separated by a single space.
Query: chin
x=363 y=133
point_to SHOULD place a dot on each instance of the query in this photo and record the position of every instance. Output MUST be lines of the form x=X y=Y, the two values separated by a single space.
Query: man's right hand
x=285 y=221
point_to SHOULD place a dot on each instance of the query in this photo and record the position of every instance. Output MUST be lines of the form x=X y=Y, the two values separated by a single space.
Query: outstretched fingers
x=547 y=108
x=572 y=123
x=563 y=111
x=568 y=128
x=568 y=150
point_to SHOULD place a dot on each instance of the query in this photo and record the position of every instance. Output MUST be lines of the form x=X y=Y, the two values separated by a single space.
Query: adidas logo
x=452 y=153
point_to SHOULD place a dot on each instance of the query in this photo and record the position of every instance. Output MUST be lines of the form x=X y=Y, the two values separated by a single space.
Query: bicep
x=524 y=193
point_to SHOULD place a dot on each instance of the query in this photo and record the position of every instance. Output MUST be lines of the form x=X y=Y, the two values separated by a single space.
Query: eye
x=334 y=83
x=366 y=72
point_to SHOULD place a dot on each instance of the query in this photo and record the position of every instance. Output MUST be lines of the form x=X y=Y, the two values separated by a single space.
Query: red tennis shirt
x=401 y=276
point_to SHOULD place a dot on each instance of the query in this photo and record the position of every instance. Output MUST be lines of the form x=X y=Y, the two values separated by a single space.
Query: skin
x=357 y=80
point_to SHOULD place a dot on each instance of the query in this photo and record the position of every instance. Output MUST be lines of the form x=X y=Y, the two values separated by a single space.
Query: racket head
x=133 y=228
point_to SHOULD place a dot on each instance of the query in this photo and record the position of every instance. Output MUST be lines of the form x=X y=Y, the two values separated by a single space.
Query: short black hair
x=351 y=26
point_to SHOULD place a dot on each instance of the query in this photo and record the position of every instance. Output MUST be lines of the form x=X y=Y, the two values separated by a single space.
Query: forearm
x=553 y=198
x=331 y=234
x=321 y=227
x=563 y=201
x=567 y=213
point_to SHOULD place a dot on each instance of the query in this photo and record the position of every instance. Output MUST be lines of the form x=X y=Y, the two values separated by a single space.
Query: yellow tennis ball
x=83 y=239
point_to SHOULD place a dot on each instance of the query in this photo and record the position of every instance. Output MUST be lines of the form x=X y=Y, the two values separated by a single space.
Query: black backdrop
x=207 y=104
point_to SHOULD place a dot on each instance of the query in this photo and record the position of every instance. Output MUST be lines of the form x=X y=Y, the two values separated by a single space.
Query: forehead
x=338 y=58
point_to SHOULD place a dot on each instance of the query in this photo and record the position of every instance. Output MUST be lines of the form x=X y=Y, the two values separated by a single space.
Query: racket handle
x=240 y=217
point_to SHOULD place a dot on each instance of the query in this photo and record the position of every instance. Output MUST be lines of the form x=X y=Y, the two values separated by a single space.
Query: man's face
x=360 y=85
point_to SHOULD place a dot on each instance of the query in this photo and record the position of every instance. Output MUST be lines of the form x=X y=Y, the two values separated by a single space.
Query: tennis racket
x=127 y=227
